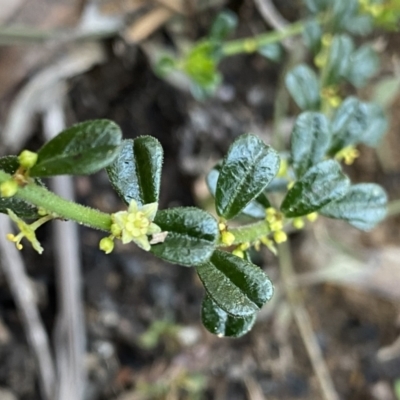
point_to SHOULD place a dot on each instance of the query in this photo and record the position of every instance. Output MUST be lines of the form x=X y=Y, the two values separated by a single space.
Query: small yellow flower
x=107 y=244
x=280 y=237
x=321 y=59
x=27 y=159
x=8 y=188
x=135 y=224
x=27 y=231
x=283 y=168
x=298 y=223
x=348 y=154
x=326 y=39
x=276 y=225
x=250 y=46
x=290 y=185
x=312 y=217
x=227 y=238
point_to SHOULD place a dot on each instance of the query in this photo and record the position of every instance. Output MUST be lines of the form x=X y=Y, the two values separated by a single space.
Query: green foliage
x=235 y=285
x=246 y=171
x=321 y=184
x=305 y=179
x=82 y=149
x=135 y=174
x=302 y=83
x=192 y=236
x=220 y=323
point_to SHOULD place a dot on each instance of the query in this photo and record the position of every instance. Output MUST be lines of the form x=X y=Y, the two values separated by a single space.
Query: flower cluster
x=347 y=154
x=27 y=231
x=133 y=225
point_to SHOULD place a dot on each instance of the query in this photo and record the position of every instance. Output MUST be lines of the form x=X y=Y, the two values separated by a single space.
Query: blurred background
x=77 y=324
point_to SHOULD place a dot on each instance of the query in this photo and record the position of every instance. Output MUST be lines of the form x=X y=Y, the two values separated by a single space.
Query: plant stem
x=250 y=45
x=41 y=197
x=250 y=233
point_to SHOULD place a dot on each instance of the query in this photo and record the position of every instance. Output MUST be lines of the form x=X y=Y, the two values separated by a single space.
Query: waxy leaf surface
x=192 y=235
x=310 y=141
x=363 y=206
x=220 y=323
x=237 y=286
x=136 y=172
x=83 y=149
x=321 y=184
x=246 y=171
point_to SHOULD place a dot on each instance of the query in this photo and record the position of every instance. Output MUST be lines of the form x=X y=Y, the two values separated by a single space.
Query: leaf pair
x=236 y=291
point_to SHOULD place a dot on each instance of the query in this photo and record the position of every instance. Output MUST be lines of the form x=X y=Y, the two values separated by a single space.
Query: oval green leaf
x=135 y=174
x=377 y=125
x=224 y=24
x=22 y=209
x=246 y=171
x=83 y=149
x=364 y=206
x=338 y=64
x=302 y=83
x=237 y=286
x=364 y=63
x=321 y=184
x=348 y=124
x=310 y=141
x=312 y=35
x=220 y=323
x=255 y=209
x=192 y=236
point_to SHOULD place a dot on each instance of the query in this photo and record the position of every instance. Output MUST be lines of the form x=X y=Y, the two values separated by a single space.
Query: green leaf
x=201 y=64
x=343 y=11
x=237 y=286
x=246 y=171
x=377 y=125
x=255 y=209
x=192 y=235
x=348 y=124
x=83 y=149
x=312 y=35
x=359 y=24
x=271 y=51
x=165 y=65
x=364 y=64
x=224 y=24
x=22 y=209
x=321 y=184
x=310 y=141
x=338 y=64
x=363 y=206
x=136 y=172
x=220 y=323
x=302 y=83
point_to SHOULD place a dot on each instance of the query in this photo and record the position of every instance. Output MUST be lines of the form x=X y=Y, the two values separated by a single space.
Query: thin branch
x=20 y=286
x=304 y=324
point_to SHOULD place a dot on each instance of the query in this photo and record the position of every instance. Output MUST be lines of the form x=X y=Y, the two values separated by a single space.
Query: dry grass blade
x=148 y=24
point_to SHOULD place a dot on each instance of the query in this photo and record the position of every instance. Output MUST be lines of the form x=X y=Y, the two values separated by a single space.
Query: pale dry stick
x=304 y=324
x=21 y=289
x=70 y=340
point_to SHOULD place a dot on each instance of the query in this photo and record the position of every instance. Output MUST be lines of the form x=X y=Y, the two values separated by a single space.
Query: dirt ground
x=142 y=316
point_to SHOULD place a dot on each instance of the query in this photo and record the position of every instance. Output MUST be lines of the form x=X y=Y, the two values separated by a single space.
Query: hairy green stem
x=250 y=45
x=250 y=233
x=41 y=197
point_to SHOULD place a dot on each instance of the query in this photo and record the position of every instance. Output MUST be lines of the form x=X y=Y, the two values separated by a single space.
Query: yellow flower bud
x=250 y=46
x=107 y=245
x=227 y=238
x=27 y=159
x=298 y=223
x=326 y=39
x=280 y=237
x=312 y=217
x=8 y=188
x=290 y=185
